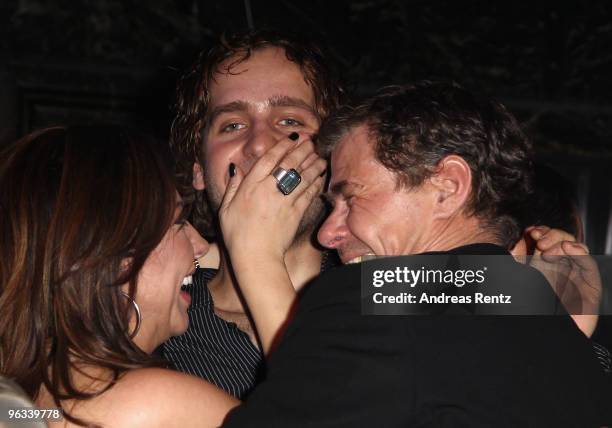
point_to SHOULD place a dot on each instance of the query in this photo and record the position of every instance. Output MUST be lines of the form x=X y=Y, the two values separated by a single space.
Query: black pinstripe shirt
x=217 y=350
x=604 y=357
x=212 y=348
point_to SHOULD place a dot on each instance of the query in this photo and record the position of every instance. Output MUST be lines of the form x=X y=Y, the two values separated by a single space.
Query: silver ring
x=287 y=181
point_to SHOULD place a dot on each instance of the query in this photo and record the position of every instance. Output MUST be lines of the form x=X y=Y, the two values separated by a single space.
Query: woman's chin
x=181 y=326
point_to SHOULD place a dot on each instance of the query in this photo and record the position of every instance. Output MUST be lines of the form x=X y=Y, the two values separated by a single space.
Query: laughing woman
x=93 y=254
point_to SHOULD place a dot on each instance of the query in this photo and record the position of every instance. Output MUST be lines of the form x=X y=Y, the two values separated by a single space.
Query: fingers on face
x=310 y=192
x=311 y=174
x=266 y=163
x=315 y=167
x=308 y=164
x=289 y=154
x=297 y=157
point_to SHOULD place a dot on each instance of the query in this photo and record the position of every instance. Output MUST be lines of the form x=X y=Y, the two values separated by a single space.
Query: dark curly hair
x=415 y=126
x=193 y=99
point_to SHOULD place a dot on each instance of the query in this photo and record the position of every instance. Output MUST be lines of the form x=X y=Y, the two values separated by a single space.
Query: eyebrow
x=227 y=108
x=276 y=101
x=285 y=101
x=338 y=189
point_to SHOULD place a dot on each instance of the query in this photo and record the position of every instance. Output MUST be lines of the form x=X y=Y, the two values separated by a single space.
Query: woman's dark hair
x=554 y=202
x=81 y=210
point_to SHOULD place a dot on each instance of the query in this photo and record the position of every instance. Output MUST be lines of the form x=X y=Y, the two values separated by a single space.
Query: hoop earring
x=138 y=316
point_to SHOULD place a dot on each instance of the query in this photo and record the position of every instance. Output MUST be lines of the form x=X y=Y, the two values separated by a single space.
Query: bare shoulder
x=160 y=397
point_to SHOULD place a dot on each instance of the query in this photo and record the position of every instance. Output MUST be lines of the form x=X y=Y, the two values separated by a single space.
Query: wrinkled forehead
x=352 y=158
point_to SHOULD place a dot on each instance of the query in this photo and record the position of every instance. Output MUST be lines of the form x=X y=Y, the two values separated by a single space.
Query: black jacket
x=338 y=368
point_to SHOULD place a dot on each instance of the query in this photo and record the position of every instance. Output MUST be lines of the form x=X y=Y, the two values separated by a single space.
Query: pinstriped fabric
x=212 y=348
x=217 y=350
x=604 y=357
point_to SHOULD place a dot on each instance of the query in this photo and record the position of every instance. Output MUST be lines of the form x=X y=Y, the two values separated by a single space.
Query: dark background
x=550 y=62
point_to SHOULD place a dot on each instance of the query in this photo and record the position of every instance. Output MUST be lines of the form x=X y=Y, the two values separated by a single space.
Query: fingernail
x=536 y=234
x=232 y=169
x=294 y=136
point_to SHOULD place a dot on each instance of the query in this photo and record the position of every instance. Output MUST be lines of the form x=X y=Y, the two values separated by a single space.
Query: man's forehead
x=239 y=62
x=272 y=102
x=265 y=68
x=260 y=86
x=351 y=158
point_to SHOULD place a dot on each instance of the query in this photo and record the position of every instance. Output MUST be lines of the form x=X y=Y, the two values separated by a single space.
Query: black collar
x=476 y=250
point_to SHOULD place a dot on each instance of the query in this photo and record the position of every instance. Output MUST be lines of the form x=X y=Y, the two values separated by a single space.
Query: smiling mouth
x=187 y=281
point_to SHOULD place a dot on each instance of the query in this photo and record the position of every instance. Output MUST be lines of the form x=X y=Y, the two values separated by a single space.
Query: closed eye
x=333 y=199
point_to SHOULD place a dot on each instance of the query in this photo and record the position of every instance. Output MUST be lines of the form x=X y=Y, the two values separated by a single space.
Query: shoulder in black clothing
x=336 y=367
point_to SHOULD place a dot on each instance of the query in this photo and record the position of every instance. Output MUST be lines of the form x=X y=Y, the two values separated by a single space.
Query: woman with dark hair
x=94 y=252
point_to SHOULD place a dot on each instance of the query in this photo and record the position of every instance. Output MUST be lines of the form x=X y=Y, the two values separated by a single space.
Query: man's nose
x=199 y=244
x=334 y=230
x=261 y=139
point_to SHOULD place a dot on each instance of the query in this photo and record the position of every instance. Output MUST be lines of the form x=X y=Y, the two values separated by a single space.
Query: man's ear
x=452 y=182
x=198 y=177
